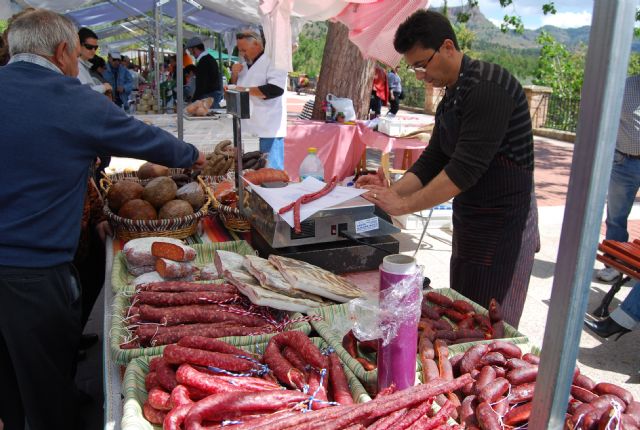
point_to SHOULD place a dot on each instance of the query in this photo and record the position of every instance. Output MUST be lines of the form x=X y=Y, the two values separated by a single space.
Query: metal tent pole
x=179 y=71
x=605 y=72
x=156 y=53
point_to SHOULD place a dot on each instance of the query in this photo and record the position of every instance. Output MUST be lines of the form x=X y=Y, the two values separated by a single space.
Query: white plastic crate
x=401 y=125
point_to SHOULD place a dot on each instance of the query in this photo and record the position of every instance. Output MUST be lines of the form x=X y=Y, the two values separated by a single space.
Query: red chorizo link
x=294 y=358
x=531 y=358
x=430 y=370
x=495 y=311
x=159 y=399
x=500 y=371
x=584 y=382
x=508 y=349
x=369 y=346
x=153 y=415
x=166 y=375
x=183 y=298
x=350 y=344
x=212 y=384
x=427 y=423
x=213 y=345
x=319 y=391
x=208 y=314
x=454 y=315
x=150 y=335
x=297 y=225
x=487 y=418
x=483 y=321
x=439 y=299
x=426 y=349
x=441 y=325
x=573 y=406
x=518 y=415
x=455 y=363
x=582 y=394
x=153 y=364
x=174 y=419
x=368 y=365
x=522 y=393
x=493 y=358
x=444 y=366
x=486 y=376
x=580 y=413
x=493 y=390
x=151 y=381
x=633 y=409
x=516 y=363
x=608 y=388
x=301 y=343
x=522 y=375
x=429 y=312
x=605 y=400
x=497 y=330
x=218 y=407
x=629 y=422
x=463 y=306
x=180 y=396
x=175 y=354
x=467 y=413
x=388 y=422
x=180 y=286
x=468 y=323
x=338 y=381
x=501 y=406
x=472 y=357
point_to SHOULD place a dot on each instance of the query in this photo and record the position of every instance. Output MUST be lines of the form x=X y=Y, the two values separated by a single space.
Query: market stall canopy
x=216 y=54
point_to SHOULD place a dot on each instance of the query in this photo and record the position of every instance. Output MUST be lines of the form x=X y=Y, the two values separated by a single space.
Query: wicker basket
x=231 y=217
x=178 y=228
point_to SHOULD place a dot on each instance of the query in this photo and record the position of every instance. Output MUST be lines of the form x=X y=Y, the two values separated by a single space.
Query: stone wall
x=538 y=99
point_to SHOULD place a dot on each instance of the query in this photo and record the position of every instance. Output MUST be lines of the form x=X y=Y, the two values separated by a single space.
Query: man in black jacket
x=208 y=82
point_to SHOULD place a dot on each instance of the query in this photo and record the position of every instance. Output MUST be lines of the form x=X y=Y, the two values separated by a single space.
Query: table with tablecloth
x=340 y=146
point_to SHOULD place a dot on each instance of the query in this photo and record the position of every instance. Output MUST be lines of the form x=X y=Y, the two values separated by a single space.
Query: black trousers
x=91 y=273
x=394 y=104
x=39 y=335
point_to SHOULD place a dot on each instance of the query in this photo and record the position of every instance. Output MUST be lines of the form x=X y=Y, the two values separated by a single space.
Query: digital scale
x=348 y=237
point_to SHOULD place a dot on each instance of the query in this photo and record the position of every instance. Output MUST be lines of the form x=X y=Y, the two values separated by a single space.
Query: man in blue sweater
x=53 y=127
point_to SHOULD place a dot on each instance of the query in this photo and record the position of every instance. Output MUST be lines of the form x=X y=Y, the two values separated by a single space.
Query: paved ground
x=602 y=360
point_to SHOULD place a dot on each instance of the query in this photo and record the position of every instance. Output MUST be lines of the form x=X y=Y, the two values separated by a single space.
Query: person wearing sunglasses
x=88 y=49
x=481 y=156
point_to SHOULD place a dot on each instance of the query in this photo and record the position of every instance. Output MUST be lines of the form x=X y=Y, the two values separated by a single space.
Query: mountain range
x=488 y=35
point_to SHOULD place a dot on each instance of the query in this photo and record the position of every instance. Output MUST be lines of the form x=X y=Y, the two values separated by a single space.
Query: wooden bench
x=625 y=258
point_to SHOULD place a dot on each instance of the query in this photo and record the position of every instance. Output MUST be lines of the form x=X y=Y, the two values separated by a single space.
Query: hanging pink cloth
x=373 y=23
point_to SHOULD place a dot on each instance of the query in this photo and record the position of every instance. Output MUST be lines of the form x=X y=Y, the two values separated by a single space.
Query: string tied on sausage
x=287 y=321
x=260 y=370
x=312 y=398
x=230 y=422
x=616 y=417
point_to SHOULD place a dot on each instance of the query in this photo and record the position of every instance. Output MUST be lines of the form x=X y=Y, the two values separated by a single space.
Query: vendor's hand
x=200 y=163
x=104 y=229
x=107 y=87
x=377 y=179
x=386 y=199
x=120 y=89
x=236 y=68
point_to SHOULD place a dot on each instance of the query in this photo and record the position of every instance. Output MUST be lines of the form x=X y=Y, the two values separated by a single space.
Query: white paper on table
x=281 y=197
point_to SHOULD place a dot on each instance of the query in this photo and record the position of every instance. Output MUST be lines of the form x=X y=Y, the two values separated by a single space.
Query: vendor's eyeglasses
x=89 y=46
x=423 y=68
x=245 y=36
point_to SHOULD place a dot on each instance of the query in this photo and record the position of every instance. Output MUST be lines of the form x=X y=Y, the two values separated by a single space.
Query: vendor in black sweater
x=481 y=155
x=208 y=81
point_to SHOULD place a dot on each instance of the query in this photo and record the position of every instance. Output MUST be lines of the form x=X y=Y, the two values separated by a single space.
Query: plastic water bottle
x=311 y=166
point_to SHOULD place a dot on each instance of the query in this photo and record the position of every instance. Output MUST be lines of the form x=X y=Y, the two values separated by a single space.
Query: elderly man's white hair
x=39 y=32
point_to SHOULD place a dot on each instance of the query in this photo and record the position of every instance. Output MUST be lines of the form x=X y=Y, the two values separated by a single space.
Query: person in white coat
x=266 y=86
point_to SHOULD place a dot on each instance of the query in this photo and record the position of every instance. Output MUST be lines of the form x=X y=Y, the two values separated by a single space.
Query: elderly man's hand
x=104 y=229
x=236 y=68
x=201 y=162
x=107 y=87
x=377 y=179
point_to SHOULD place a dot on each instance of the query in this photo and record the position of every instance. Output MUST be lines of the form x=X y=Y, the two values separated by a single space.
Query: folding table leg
x=602 y=311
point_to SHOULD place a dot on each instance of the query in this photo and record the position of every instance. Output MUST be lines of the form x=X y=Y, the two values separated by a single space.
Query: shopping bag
x=344 y=105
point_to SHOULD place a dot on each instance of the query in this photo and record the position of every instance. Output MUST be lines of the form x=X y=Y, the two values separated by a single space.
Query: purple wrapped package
x=400 y=285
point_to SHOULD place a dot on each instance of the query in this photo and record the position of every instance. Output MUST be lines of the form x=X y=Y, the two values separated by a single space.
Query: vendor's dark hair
x=425 y=27
x=86 y=33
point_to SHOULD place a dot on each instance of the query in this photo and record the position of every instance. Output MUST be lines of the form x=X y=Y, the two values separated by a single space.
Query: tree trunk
x=344 y=73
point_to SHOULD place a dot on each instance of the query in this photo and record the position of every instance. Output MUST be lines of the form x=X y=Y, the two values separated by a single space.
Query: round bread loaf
x=175 y=209
x=121 y=192
x=159 y=191
x=138 y=209
x=151 y=170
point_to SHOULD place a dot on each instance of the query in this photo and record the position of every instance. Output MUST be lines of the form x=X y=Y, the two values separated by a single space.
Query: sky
x=570 y=13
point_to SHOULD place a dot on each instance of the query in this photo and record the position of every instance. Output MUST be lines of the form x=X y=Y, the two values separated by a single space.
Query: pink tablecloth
x=339 y=146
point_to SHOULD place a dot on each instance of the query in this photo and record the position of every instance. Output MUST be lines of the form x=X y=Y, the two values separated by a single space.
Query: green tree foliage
x=308 y=57
x=3 y=25
x=559 y=68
